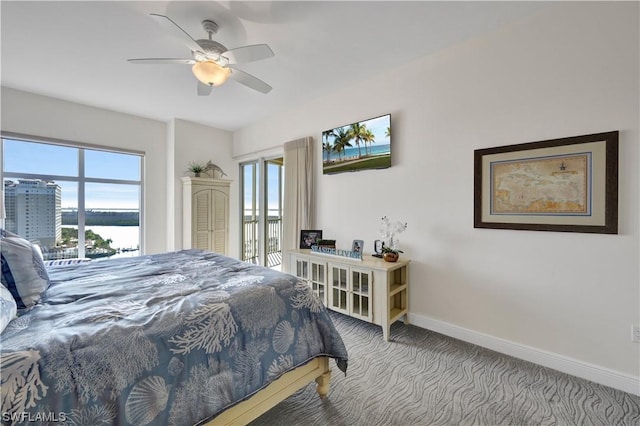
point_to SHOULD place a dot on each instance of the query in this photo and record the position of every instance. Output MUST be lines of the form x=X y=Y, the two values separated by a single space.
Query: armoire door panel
x=206 y=214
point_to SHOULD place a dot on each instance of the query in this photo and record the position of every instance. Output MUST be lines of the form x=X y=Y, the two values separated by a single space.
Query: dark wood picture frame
x=309 y=237
x=518 y=164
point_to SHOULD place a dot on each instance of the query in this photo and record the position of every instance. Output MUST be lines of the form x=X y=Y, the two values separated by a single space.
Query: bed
x=181 y=338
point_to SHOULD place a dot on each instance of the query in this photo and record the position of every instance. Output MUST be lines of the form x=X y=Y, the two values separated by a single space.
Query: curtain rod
x=273 y=148
x=256 y=153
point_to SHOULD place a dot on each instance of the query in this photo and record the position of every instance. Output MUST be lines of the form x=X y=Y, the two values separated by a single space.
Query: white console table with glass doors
x=371 y=290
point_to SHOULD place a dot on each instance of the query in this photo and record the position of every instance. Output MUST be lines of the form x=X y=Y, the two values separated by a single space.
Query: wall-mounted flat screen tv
x=357 y=146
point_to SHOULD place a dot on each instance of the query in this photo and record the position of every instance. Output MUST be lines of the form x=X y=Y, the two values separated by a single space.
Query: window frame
x=81 y=179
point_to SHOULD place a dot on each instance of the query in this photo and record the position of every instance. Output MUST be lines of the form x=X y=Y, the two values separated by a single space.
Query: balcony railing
x=250 y=241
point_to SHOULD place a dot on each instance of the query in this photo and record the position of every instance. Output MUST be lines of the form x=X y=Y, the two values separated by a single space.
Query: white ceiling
x=77 y=50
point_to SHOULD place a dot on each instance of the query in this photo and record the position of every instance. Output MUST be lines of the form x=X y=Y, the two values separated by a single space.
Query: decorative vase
x=196 y=174
x=390 y=257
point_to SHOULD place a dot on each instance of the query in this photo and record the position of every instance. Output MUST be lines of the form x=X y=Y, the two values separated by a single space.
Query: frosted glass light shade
x=210 y=73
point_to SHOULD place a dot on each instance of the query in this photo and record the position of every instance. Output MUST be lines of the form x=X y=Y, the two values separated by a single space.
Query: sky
x=272 y=187
x=53 y=160
x=378 y=126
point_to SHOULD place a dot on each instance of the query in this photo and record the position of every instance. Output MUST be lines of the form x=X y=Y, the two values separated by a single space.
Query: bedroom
x=564 y=300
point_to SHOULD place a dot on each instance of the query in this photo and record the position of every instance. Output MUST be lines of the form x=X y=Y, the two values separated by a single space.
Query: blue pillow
x=23 y=271
x=8 y=307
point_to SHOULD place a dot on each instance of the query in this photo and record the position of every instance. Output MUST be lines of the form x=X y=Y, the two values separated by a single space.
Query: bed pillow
x=8 y=307
x=23 y=271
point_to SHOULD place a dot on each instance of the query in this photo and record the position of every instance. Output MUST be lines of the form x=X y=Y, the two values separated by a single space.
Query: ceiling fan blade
x=162 y=61
x=171 y=26
x=251 y=53
x=204 y=89
x=250 y=81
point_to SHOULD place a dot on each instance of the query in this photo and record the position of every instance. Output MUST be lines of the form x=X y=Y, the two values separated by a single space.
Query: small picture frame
x=377 y=248
x=309 y=237
x=357 y=246
x=327 y=243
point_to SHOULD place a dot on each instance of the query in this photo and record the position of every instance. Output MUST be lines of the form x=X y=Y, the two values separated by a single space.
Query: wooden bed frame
x=278 y=391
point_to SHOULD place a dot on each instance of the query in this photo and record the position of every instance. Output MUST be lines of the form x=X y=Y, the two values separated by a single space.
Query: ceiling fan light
x=210 y=73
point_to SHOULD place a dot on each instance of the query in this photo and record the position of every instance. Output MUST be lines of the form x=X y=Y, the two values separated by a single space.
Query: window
x=75 y=201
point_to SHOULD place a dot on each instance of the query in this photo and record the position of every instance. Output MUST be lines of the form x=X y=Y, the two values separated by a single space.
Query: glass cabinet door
x=302 y=269
x=319 y=280
x=339 y=289
x=361 y=294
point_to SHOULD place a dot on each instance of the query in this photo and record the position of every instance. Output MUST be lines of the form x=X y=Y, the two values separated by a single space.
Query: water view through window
x=72 y=201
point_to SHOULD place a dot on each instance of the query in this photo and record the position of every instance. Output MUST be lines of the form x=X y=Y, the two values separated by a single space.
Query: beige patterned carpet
x=425 y=378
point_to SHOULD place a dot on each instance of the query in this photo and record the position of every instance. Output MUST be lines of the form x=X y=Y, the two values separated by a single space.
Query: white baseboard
x=595 y=373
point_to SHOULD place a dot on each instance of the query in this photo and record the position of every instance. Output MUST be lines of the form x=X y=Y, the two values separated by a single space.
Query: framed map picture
x=568 y=185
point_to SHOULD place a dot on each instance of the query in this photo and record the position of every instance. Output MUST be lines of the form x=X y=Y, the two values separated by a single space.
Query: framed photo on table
x=309 y=237
x=568 y=185
x=377 y=248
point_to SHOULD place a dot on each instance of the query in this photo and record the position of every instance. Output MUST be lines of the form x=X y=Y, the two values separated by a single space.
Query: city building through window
x=72 y=200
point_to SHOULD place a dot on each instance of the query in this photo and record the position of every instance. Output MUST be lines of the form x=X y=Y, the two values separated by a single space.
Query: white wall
x=188 y=141
x=43 y=116
x=566 y=300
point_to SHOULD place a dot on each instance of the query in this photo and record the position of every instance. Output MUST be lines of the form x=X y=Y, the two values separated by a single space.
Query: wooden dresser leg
x=323 y=384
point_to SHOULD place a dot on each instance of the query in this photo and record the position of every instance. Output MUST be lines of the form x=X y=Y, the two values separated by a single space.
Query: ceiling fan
x=213 y=63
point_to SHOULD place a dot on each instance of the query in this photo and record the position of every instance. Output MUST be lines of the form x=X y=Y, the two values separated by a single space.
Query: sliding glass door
x=250 y=211
x=261 y=211
x=273 y=202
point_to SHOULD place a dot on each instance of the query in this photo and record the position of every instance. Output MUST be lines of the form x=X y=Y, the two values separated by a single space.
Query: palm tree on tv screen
x=368 y=137
x=357 y=131
x=326 y=145
x=341 y=141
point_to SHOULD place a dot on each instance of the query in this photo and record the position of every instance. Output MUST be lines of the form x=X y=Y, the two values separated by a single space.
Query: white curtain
x=298 y=211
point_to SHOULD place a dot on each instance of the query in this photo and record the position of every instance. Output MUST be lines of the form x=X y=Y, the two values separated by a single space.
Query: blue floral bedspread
x=172 y=338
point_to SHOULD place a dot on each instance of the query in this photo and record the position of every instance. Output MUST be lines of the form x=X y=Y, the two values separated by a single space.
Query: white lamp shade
x=210 y=73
